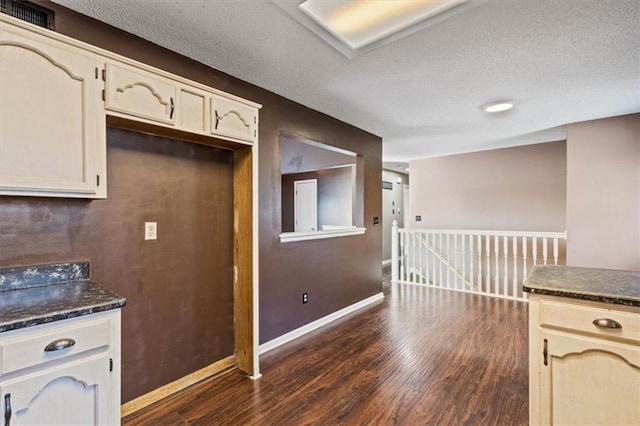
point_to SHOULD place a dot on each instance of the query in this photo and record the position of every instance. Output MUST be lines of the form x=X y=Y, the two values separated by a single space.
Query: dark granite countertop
x=43 y=294
x=600 y=285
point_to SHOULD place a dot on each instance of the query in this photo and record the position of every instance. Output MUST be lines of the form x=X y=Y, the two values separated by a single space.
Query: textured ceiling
x=562 y=61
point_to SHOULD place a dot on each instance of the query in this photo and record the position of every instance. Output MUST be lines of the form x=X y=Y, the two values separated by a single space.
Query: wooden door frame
x=245 y=235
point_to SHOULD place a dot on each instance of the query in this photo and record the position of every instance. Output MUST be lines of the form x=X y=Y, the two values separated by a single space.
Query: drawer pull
x=58 y=345
x=606 y=323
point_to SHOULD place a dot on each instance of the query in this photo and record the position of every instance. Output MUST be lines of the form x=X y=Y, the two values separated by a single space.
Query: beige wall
x=603 y=193
x=521 y=189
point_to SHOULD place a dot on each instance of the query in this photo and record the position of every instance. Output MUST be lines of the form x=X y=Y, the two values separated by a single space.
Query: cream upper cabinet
x=56 y=94
x=233 y=119
x=584 y=362
x=51 y=126
x=138 y=93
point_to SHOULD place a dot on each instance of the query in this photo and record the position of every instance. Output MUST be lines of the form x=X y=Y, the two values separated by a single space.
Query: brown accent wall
x=510 y=189
x=179 y=288
x=335 y=272
x=603 y=193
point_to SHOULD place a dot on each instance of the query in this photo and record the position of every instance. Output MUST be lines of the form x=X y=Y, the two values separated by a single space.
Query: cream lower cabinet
x=582 y=373
x=51 y=125
x=76 y=384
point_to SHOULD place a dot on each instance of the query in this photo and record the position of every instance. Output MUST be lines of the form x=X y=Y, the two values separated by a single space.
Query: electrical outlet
x=305 y=297
x=150 y=230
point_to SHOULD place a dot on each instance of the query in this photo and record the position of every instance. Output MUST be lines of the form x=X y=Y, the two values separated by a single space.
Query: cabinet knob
x=59 y=344
x=606 y=323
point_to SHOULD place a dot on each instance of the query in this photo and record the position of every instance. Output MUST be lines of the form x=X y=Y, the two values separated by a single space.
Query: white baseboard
x=386 y=262
x=299 y=332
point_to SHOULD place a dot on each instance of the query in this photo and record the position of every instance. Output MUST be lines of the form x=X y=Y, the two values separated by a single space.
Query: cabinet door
x=233 y=119
x=49 y=141
x=74 y=393
x=589 y=381
x=139 y=93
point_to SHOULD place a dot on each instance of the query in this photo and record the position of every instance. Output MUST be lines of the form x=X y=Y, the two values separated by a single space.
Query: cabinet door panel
x=192 y=111
x=140 y=93
x=72 y=394
x=591 y=381
x=47 y=115
x=233 y=119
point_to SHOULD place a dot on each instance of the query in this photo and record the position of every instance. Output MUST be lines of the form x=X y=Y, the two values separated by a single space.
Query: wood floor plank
x=423 y=356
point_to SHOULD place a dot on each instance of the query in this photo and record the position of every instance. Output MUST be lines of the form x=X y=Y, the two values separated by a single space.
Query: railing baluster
x=487 y=284
x=448 y=256
x=471 y=260
x=433 y=261
x=420 y=244
x=515 y=267
x=555 y=251
x=426 y=258
x=441 y=281
x=544 y=250
x=402 y=254
x=464 y=262
x=480 y=287
x=413 y=258
x=505 y=249
x=496 y=243
x=534 y=250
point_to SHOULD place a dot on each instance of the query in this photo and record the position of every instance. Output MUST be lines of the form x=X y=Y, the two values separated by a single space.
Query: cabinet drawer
x=581 y=318
x=233 y=119
x=27 y=347
x=140 y=93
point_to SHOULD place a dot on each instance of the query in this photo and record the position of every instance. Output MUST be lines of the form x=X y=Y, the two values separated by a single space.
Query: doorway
x=305 y=205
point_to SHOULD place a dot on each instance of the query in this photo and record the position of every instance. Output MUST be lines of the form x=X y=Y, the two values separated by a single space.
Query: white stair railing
x=494 y=263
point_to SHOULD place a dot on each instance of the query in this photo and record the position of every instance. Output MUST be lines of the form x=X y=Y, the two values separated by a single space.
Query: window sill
x=289 y=237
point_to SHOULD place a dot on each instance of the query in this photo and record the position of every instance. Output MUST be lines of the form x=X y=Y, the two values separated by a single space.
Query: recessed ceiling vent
x=28 y=12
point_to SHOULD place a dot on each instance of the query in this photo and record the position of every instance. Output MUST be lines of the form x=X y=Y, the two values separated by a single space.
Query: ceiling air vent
x=28 y=12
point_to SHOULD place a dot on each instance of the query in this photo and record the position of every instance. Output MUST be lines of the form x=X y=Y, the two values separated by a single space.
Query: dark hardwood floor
x=423 y=356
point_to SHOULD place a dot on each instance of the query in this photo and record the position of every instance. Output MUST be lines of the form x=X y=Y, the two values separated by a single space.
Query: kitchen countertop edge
x=598 y=285
x=106 y=300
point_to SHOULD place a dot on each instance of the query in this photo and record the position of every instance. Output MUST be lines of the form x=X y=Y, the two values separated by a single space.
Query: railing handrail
x=538 y=234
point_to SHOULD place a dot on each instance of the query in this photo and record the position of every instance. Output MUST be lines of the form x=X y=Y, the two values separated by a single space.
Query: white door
x=306 y=205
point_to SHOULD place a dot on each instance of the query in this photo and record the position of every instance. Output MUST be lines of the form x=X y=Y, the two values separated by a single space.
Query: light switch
x=150 y=230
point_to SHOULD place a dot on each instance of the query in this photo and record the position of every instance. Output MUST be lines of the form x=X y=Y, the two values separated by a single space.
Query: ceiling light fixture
x=498 y=106
x=358 y=23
